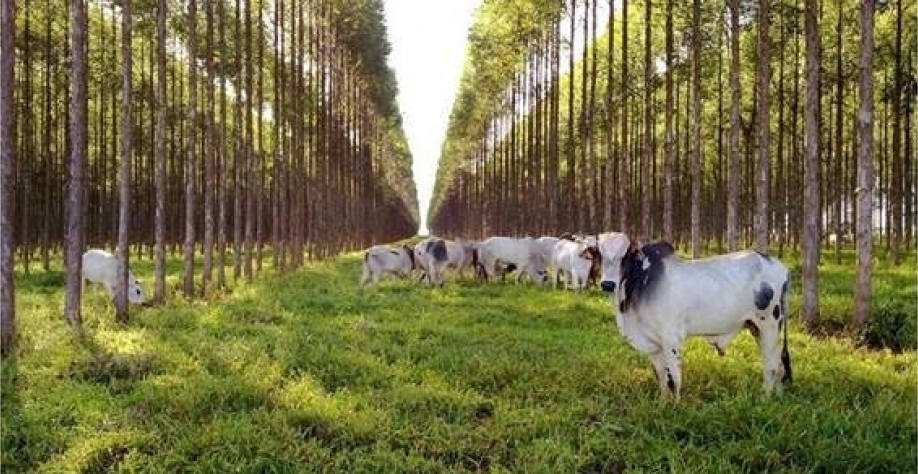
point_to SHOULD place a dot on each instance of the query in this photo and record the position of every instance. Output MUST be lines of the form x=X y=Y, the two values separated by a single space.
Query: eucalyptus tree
x=7 y=184
x=78 y=145
x=124 y=185
x=865 y=181
x=811 y=167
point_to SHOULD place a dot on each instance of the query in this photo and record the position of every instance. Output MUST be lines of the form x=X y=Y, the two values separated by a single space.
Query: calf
x=501 y=254
x=663 y=299
x=381 y=260
x=101 y=267
x=432 y=257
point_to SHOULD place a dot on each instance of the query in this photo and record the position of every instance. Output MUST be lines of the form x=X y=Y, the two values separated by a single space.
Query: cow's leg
x=668 y=365
x=768 y=338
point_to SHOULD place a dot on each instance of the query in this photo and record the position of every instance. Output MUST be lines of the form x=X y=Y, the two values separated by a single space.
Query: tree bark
x=764 y=128
x=191 y=144
x=7 y=181
x=124 y=180
x=811 y=206
x=864 y=191
x=78 y=145
x=160 y=139
x=733 y=171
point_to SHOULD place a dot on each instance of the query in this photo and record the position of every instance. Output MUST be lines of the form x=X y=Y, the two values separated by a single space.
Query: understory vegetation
x=308 y=372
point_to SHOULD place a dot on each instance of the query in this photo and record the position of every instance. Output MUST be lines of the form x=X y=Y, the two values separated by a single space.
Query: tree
x=191 y=150
x=160 y=158
x=811 y=167
x=124 y=185
x=696 y=128
x=763 y=86
x=78 y=145
x=7 y=183
x=864 y=191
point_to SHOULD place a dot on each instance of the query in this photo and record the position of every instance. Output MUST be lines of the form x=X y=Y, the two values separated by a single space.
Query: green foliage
x=310 y=373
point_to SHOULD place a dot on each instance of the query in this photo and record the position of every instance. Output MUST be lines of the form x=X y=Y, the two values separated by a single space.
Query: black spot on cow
x=641 y=270
x=437 y=248
x=764 y=255
x=764 y=295
x=776 y=312
x=670 y=382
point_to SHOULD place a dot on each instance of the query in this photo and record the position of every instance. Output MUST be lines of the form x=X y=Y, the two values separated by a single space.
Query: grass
x=308 y=372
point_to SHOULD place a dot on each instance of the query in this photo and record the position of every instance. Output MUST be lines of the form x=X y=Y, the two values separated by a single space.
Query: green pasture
x=307 y=372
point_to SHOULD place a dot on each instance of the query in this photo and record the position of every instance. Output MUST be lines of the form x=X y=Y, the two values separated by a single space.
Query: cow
x=101 y=267
x=573 y=260
x=499 y=255
x=663 y=299
x=460 y=255
x=432 y=257
x=547 y=248
x=381 y=260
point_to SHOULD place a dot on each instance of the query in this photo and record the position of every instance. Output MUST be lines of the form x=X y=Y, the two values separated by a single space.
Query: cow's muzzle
x=608 y=286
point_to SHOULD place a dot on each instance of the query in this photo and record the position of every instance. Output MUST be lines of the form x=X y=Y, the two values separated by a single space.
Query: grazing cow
x=380 y=260
x=499 y=255
x=573 y=261
x=547 y=249
x=460 y=255
x=663 y=299
x=432 y=257
x=101 y=267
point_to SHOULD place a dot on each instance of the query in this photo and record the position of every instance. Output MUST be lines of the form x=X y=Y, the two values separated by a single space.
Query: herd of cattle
x=660 y=298
x=574 y=258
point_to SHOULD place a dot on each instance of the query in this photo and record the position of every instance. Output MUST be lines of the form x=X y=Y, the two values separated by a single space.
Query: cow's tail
x=785 y=354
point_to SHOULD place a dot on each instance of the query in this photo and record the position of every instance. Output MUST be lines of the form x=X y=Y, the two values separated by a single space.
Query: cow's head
x=613 y=246
x=135 y=292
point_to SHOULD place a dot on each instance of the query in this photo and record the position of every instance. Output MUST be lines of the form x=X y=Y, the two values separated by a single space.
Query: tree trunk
x=646 y=173
x=160 y=173
x=763 y=84
x=669 y=153
x=7 y=181
x=864 y=191
x=124 y=184
x=191 y=144
x=811 y=167
x=78 y=145
x=696 y=129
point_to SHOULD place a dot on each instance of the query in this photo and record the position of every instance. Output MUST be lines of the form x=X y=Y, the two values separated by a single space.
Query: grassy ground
x=309 y=373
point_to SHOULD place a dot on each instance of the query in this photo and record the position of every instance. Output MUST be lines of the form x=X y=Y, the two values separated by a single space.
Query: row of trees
x=708 y=122
x=215 y=127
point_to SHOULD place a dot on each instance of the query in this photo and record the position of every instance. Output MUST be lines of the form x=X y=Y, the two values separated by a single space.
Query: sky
x=428 y=39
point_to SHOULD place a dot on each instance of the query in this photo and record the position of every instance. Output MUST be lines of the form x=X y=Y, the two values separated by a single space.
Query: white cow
x=573 y=261
x=101 y=267
x=460 y=255
x=500 y=254
x=432 y=257
x=380 y=260
x=663 y=299
x=547 y=248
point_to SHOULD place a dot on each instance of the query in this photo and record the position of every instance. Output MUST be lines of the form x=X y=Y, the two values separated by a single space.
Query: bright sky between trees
x=428 y=40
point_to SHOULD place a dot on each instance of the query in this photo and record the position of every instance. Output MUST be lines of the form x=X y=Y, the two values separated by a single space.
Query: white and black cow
x=101 y=267
x=499 y=255
x=663 y=299
x=381 y=260
x=432 y=257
